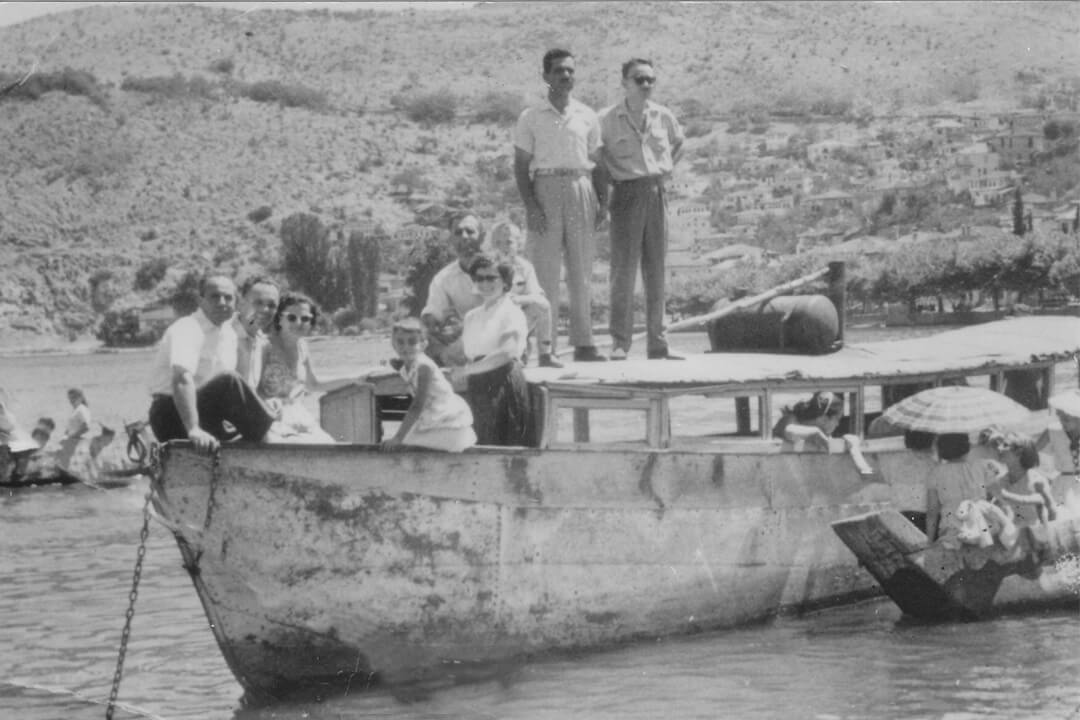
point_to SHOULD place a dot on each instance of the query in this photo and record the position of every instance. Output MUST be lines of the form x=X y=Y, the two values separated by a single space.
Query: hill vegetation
x=145 y=141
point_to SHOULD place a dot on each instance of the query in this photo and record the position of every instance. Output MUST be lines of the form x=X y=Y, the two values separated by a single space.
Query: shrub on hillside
x=225 y=66
x=431 y=108
x=500 y=107
x=284 y=94
x=260 y=213
x=150 y=273
x=68 y=80
x=698 y=128
x=174 y=86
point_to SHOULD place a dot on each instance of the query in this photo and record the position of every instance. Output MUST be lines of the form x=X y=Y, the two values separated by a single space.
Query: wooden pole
x=728 y=309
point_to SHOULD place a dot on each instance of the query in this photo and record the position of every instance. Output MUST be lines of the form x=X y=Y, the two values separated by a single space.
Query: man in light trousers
x=556 y=144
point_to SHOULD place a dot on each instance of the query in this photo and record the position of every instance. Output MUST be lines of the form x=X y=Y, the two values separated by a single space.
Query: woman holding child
x=494 y=339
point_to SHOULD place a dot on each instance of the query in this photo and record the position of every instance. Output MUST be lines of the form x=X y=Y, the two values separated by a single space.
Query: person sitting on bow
x=811 y=422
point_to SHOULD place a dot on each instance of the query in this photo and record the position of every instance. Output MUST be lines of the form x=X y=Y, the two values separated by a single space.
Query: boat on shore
x=328 y=569
x=945 y=581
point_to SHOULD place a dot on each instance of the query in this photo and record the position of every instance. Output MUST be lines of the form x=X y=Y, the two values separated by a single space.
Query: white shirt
x=249 y=352
x=79 y=422
x=558 y=140
x=451 y=289
x=197 y=345
x=502 y=326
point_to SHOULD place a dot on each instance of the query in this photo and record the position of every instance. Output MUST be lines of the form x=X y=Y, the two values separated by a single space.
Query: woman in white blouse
x=494 y=338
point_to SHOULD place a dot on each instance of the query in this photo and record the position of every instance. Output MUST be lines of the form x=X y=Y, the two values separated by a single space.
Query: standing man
x=642 y=141
x=451 y=294
x=193 y=381
x=258 y=301
x=556 y=145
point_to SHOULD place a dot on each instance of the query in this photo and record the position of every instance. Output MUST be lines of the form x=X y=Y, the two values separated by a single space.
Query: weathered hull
x=937 y=582
x=330 y=567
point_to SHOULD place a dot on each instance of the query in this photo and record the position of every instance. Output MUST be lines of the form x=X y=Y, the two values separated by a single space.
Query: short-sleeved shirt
x=629 y=152
x=563 y=141
x=249 y=352
x=197 y=345
x=485 y=329
x=79 y=422
x=451 y=289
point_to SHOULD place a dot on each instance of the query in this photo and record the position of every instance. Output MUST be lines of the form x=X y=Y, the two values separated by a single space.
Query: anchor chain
x=125 y=635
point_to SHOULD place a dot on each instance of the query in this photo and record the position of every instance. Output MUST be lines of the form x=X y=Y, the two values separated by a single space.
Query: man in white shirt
x=451 y=294
x=194 y=383
x=556 y=145
x=259 y=298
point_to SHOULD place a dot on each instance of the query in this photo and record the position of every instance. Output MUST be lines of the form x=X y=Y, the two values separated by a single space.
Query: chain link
x=125 y=635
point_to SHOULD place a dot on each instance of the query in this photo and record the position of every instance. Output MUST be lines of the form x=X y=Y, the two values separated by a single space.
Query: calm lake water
x=66 y=560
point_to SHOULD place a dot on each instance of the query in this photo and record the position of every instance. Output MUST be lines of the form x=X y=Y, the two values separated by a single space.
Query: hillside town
x=784 y=188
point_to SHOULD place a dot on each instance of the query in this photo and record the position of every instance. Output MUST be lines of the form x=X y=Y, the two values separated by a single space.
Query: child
x=438 y=417
x=1021 y=485
x=526 y=291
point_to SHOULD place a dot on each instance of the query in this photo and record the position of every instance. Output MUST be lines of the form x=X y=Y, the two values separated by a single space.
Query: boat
x=945 y=581
x=328 y=569
x=100 y=461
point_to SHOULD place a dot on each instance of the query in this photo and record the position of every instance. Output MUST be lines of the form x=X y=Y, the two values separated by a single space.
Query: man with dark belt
x=641 y=142
x=555 y=150
x=197 y=394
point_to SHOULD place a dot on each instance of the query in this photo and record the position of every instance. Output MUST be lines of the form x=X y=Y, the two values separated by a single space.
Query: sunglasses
x=293 y=318
x=466 y=231
x=643 y=79
x=485 y=278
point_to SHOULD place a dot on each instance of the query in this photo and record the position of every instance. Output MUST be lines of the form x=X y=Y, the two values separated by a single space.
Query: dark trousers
x=225 y=398
x=638 y=238
x=501 y=406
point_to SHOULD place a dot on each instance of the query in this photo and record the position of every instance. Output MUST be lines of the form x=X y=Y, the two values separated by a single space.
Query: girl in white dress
x=438 y=418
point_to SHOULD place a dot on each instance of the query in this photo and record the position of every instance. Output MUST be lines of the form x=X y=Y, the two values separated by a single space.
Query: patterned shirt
x=629 y=152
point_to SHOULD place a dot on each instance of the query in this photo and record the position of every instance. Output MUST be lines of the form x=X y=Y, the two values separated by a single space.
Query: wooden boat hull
x=936 y=581
x=328 y=568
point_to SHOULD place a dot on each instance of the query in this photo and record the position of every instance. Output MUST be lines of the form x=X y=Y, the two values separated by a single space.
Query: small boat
x=953 y=581
x=332 y=568
x=100 y=461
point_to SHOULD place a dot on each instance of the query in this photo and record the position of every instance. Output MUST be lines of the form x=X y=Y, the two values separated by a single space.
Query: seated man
x=451 y=294
x=194 y=384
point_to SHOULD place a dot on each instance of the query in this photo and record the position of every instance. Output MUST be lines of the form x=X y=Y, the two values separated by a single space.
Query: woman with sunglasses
x=287 y=374
x=493 y=339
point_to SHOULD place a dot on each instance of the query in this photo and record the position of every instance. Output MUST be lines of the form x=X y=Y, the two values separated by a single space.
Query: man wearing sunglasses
x=641 y=142
x=451 y=293
x=555 y=149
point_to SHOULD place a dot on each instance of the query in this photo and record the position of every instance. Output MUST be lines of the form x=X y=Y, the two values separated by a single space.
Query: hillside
x=107 y=181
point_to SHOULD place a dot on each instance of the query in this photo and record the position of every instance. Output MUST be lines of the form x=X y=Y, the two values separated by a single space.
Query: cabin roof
x=1007 y=343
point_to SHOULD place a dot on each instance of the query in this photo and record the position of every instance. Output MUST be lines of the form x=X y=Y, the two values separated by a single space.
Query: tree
x=430 y=252
x=1019 y=224
x=364 y=268
x=314 y=260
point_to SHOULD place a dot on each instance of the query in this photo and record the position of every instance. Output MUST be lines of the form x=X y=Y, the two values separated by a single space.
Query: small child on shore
x=438 y=418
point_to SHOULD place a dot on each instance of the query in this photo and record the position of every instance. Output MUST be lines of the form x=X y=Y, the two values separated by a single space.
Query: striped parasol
x=955 y=409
